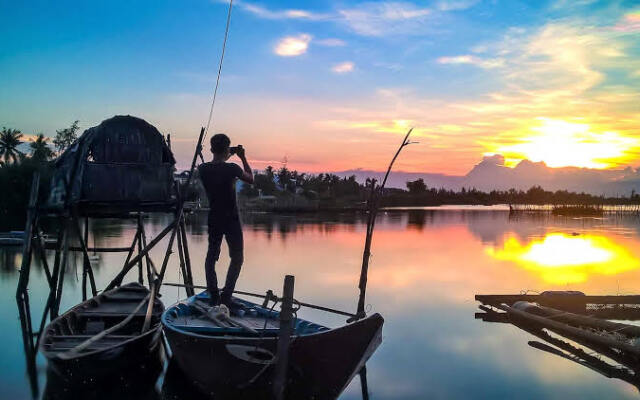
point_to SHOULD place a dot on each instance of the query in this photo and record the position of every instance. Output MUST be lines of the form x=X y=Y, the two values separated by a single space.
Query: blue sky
x=330 y=85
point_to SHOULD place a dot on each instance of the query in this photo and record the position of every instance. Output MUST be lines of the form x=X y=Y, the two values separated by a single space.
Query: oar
x=214 y=318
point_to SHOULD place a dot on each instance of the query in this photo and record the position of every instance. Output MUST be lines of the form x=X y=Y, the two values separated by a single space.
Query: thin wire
x=224 y=46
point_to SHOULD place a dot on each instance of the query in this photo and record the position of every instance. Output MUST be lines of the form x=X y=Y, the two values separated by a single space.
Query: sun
x=569 y=144
x=561 y=258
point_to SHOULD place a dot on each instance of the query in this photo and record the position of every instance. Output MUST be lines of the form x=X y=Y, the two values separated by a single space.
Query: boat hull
x=125 y=350
x=145 y=350
x=321 y=364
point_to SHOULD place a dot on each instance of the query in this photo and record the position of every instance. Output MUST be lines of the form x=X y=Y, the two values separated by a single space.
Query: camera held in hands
x=234 y=149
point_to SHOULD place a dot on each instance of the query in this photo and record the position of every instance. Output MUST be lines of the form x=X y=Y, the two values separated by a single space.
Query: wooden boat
x=102 y=336
x=235 y=356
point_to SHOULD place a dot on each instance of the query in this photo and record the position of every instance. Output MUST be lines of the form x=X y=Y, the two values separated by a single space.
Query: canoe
x=103 y=357
x=235 y=357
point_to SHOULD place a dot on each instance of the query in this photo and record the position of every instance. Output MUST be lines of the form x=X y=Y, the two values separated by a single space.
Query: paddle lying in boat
x=236 y=354
x=107 y=327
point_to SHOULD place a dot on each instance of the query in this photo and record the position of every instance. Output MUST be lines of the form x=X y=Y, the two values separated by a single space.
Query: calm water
x=426 y=267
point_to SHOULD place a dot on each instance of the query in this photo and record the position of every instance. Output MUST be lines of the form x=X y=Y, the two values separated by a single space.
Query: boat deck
x=86 y=320
x=200 y=321
x=68 y=342
x=196 y=316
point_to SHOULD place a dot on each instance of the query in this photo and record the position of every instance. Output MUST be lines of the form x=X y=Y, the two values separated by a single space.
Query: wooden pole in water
x=284 y=337
x=139 y=233
x=187 y=257
x=372 y=208
x=25 y=267
x=363 y=383
x=85 y=260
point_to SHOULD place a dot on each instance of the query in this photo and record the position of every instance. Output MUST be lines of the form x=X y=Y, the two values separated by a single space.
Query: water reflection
x=568 y=258
x=426 y=267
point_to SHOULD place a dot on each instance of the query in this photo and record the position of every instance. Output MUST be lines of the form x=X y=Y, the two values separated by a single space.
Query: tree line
x=291 y=182
x=419 y=194
x=17 y=168
x=330 y=186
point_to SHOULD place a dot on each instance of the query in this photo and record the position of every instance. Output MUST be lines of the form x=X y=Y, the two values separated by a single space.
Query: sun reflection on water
x=561 y=259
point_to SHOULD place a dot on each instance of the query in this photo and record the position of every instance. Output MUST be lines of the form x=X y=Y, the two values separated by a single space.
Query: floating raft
x=608 y=348
x=585 y=337
x=605 y=307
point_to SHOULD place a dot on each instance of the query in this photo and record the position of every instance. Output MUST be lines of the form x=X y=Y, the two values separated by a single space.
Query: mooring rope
x=215 y=90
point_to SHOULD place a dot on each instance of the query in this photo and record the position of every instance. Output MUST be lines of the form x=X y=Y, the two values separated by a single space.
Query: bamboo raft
x=605 y=307
x=576 y=328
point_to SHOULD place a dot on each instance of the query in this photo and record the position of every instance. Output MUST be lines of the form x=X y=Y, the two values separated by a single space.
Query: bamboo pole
x=118 y=279
x=183 y=268
x=63 y=266
x=151 y=269
x=284 y=338
x=39 y=246
x=373 y=205
x=187 y=257
x=89 y=270
x=270 y=296
x=25 y=267
x=140 y=280
x=85 y=259
x=576 y=319
x=566 y=329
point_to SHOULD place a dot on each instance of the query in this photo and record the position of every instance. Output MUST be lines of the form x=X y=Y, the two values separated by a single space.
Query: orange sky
x=331 y=86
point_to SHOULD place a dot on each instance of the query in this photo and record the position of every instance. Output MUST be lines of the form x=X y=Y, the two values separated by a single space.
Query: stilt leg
x=140 y=280
x=188 y=279
x=63 y=266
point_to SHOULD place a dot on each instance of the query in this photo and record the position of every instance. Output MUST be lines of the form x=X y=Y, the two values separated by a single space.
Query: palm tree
x=40 y=150
x=9 y=142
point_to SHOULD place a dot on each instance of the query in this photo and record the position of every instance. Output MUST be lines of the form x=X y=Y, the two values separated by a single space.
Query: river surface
x=426 y=267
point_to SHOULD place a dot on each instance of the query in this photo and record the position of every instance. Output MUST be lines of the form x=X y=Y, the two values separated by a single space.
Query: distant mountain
x=491 y=173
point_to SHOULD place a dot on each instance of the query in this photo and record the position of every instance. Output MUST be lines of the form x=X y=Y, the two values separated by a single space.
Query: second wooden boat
x=103 y=336
x=236 y=355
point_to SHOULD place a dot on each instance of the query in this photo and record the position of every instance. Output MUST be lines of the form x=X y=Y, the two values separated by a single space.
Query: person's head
x=220 y=145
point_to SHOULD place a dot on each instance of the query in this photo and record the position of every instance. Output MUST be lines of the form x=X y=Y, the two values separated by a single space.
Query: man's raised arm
x=247 y=175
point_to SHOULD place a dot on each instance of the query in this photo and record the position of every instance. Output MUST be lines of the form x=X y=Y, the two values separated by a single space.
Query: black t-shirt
x=219 y=181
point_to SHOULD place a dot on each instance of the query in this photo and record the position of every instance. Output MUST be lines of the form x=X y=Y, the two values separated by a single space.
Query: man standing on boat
x=219 y=180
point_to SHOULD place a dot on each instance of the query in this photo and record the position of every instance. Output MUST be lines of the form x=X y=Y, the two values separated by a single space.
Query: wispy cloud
x=629 y=23
x=386 y=18
x=469 y=59
x=263 y=12
x=343 y=67
x=291 y=46
x=367 y=19
x=455 y=5
x=331 y=42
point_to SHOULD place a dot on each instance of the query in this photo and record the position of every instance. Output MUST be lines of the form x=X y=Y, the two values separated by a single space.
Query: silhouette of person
x=219 y=180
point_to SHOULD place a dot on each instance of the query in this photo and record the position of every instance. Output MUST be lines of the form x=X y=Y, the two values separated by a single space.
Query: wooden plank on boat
x=125 y=296
x=87 y=343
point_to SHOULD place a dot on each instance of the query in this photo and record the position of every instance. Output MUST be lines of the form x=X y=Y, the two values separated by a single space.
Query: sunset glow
x=562 y=259
x=562 y=144
x=333 y=86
